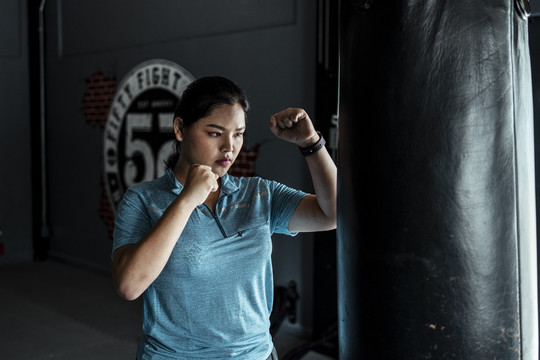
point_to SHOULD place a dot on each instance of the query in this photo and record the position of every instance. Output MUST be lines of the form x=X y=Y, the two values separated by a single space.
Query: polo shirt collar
x=174 y=184
x=228 y=186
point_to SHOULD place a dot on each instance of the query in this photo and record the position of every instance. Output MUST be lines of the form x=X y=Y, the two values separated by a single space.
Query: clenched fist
x=295 y=126
x=200 y=182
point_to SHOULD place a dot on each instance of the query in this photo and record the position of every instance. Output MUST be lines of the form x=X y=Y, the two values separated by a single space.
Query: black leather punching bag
x=436 y=201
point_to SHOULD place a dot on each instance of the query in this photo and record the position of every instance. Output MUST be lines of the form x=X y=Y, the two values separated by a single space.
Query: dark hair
x=200 y=98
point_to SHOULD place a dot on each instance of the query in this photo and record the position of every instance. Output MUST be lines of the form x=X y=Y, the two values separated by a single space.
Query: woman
x=196 y=242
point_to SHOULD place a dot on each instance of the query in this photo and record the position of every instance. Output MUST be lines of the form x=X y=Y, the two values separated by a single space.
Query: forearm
x=324 y=176
x=136 y=266
x=315 y=212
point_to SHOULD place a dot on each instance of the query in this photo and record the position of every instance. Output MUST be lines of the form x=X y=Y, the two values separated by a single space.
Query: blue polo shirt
x=214 y=297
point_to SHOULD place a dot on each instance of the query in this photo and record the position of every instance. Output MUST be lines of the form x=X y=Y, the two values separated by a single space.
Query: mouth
x=225 y=162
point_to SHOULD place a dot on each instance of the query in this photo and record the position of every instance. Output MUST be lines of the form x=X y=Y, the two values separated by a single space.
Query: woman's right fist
x=200 y=182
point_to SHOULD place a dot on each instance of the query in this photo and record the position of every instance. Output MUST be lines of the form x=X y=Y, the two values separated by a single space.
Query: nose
x=227 y=145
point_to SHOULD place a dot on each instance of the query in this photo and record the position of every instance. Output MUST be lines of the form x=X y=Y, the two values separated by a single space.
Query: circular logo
x=138 y=137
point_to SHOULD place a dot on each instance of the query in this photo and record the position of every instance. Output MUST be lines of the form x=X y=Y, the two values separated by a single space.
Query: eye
x=214 y=134
x=239 y=135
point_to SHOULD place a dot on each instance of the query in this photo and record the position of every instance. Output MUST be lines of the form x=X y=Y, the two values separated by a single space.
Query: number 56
x=142 y=123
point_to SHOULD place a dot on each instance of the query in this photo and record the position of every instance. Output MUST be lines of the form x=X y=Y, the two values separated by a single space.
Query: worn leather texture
x=436 y=229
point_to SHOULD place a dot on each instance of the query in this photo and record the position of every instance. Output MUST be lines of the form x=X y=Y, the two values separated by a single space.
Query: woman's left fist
x=294 y=125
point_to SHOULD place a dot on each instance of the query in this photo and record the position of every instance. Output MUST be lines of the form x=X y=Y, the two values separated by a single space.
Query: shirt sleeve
x=284 y=203
x=132 y=222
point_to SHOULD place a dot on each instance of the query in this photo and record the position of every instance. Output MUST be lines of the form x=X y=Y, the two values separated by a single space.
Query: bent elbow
x=331 y=219
x=128 y=293
x=331 y=223
x=129 y=296
x=326 y=223
x=126 y=288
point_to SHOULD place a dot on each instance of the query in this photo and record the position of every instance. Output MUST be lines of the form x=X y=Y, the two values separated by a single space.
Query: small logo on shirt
x=138 y=136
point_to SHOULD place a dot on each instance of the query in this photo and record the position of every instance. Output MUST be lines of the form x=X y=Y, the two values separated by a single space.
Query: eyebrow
x=219 y=127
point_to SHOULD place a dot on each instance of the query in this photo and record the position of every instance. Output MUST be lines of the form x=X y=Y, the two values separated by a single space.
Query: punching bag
x=436 y=225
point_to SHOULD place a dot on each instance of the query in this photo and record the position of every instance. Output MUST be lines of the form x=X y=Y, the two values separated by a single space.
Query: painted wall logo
x=138 y=135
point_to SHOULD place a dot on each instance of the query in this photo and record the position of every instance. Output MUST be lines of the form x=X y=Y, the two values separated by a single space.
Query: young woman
x=196 y=242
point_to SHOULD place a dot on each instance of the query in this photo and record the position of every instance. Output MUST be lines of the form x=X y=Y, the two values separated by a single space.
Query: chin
x=220 y=172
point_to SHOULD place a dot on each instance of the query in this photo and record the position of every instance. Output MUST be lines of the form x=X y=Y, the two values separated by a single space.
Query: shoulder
x=247 y=184
x=162 y=183
x=257 y=186
x=144 y=193
x=247 y=181
x=146 y=186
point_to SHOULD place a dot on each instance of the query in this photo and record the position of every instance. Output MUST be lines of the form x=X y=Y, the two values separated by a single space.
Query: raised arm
x=136 y=266
x=315 y=212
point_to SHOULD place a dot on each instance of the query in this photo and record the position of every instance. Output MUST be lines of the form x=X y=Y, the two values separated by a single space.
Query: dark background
x=282 y=52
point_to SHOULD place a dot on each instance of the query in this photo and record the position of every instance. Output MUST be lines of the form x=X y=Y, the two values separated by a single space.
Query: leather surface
x=436 y=182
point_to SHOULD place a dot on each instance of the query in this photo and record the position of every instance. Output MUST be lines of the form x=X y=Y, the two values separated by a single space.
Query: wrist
x=314 y=147
x=309 y=142
x=187 y=201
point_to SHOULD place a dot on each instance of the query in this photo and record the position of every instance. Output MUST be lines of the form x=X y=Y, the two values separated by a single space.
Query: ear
x=178 y=128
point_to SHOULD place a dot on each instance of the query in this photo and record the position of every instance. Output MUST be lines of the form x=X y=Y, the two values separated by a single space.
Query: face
x=214 y=140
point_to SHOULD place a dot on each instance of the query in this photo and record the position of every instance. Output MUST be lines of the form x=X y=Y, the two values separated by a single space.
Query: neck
x=180 y=171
